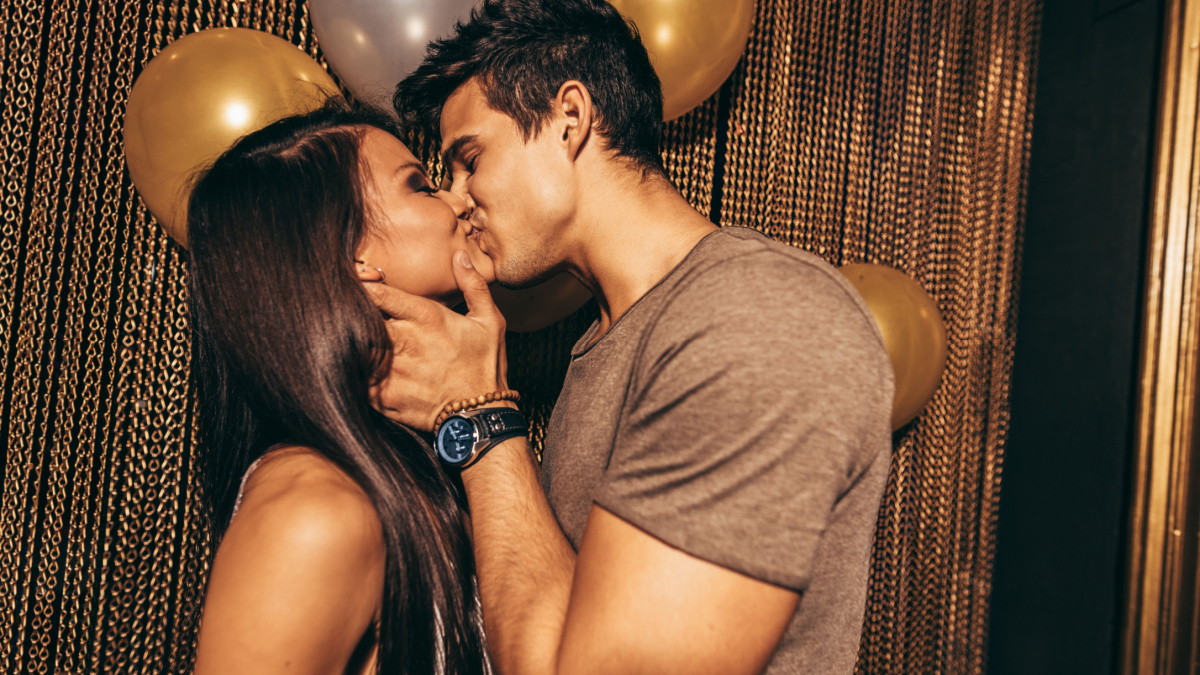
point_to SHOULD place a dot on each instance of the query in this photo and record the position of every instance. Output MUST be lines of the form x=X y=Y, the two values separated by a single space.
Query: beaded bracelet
x=475 y=402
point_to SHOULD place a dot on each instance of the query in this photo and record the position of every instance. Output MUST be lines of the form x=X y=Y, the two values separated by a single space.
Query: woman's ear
x=574 y=105
x=368 y=274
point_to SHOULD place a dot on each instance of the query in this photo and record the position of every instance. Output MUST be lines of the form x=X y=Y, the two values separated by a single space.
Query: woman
x=349 y=550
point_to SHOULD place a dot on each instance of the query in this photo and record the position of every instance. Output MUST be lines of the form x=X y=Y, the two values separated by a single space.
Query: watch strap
x=497 y=425
x=501 y=422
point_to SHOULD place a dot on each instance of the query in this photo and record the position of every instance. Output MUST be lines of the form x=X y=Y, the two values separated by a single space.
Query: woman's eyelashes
x=419 y=183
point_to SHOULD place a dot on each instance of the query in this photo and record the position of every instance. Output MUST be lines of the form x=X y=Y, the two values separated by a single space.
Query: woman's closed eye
x=419 y=183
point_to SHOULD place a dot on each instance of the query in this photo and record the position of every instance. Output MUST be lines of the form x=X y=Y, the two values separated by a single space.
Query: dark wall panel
x=1060 y=555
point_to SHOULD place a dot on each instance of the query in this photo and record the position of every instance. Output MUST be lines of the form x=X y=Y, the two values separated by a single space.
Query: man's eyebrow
x=453 y=150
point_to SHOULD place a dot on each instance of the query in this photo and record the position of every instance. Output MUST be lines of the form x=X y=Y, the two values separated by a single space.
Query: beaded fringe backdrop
x=891 y=131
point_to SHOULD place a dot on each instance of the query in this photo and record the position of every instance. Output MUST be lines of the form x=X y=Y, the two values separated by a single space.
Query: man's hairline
x=647 y=170
x=463 y=139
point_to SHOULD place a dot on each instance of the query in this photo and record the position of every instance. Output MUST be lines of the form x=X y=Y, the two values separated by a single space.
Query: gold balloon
x=198 y=96
x=530 y=309
x=912 y=329
x=694 y=45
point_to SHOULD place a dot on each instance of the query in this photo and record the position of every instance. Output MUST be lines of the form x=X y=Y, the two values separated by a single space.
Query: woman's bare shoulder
x=299 y=492
x=298 y=474
x=299 y=572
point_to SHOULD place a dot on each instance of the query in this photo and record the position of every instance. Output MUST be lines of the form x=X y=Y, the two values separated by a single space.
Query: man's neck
x=628 y=235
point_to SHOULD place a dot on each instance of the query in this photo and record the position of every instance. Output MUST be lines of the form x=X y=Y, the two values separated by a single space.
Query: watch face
x=455 y=440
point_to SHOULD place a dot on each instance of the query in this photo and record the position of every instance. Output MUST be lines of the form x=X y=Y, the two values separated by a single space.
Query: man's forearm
x=525 y=564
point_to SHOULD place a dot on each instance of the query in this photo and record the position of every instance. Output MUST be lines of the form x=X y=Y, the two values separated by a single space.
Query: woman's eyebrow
x=407 y=166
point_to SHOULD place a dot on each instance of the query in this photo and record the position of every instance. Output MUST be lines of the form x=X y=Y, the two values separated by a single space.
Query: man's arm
x=630 y=603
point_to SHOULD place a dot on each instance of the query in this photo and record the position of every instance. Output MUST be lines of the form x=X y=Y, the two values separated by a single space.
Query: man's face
x=520 y=194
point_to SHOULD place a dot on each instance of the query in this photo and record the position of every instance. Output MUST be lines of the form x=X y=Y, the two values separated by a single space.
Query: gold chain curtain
x=890 y=131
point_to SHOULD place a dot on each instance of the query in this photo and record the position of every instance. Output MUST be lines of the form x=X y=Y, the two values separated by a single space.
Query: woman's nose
x=462 y=206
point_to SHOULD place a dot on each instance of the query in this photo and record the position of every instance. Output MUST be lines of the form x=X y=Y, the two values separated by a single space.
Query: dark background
x=1060 y=559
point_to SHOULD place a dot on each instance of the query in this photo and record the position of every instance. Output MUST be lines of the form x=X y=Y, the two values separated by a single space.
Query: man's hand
x=439 y=356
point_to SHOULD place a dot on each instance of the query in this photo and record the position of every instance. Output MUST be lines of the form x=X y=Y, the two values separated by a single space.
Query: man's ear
x=574 y=103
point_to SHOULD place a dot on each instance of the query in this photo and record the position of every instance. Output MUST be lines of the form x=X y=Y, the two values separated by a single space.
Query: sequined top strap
x=242 y=488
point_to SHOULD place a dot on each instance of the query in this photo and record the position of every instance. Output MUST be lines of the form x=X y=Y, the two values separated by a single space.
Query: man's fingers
x=400 y=305
x=397 y=334
x=474 y=288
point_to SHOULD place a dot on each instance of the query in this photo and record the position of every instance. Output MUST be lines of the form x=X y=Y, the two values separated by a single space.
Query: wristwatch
x=463 y=438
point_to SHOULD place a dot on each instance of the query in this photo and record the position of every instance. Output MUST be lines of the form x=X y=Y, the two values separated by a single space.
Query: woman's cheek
x=428 y=276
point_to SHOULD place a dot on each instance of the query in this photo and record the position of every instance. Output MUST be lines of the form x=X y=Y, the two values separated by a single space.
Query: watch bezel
x=475 y=441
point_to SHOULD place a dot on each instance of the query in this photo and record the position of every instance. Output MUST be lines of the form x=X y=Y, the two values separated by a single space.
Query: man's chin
x=518 y=282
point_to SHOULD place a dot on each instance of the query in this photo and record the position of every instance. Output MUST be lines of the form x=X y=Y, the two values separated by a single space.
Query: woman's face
x=414 y=229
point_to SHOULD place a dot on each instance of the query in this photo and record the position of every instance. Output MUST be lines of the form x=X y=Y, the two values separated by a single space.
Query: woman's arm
x=298 y=577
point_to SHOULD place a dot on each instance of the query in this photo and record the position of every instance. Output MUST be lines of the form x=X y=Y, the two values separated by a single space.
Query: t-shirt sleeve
x=751 y=412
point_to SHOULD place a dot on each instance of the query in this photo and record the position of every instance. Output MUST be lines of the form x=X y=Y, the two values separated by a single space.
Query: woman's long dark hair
x=286 y=345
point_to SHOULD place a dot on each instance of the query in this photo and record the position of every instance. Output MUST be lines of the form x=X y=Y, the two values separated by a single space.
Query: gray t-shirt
x=739 y=411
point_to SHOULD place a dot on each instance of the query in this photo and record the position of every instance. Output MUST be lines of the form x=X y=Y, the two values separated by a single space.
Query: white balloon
x=373 y=44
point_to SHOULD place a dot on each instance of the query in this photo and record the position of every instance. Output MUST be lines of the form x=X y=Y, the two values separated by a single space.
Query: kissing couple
x=712 y=469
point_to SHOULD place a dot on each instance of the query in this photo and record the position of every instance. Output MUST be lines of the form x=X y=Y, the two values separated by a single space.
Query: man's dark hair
x=522 y=51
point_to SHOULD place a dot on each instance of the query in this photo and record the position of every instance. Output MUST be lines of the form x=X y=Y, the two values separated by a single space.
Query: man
x=713 y=468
